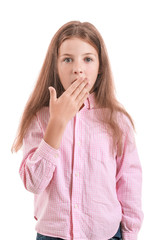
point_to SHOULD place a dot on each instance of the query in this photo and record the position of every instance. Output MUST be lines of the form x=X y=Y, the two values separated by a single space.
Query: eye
x=88 y=59
x=67 y=60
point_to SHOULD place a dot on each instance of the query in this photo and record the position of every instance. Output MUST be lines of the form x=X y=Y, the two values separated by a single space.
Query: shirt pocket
x=100 y=146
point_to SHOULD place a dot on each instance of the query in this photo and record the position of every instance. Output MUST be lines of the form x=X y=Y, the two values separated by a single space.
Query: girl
x=80 y=158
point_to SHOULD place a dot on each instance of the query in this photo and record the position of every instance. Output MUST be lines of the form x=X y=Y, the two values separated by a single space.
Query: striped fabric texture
x=82 y=191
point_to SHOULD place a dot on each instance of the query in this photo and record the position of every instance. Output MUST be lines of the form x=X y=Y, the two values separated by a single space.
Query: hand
x=68 y=104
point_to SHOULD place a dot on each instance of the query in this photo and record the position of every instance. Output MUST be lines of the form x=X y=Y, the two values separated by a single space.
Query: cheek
x=64 y=77
x=65 y=71
x=62 y=72
x=93 y=72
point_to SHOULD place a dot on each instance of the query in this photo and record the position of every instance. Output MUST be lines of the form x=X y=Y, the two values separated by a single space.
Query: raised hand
x=68 y=104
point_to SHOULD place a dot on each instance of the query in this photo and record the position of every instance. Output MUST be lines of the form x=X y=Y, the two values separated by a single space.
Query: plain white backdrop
x=26 y=29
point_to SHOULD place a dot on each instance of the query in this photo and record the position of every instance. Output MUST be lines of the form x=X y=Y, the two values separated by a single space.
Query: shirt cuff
x=47 y=152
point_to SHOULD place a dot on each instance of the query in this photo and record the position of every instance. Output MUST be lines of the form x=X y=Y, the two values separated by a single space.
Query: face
x=77 y=58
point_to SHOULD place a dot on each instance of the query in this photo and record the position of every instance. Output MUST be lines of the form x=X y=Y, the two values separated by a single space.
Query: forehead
x=76 y=45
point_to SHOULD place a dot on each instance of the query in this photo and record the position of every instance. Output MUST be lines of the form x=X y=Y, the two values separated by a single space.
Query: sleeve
x=39 y=159
x=129 y=186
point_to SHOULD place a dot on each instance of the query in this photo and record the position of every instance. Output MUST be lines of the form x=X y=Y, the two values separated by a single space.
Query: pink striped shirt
x=82 y=191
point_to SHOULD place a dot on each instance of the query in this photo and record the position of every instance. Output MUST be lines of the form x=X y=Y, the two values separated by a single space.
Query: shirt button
x=75 y=206
x=76 y=174
x=56 y=155
x=79 y=143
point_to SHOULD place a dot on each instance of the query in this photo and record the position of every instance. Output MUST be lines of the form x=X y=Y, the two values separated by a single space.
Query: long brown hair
x=104 y=86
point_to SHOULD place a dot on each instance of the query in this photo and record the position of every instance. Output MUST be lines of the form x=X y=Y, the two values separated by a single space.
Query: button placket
x=76 y=182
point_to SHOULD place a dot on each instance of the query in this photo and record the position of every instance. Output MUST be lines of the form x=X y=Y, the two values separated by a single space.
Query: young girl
x=80 y=157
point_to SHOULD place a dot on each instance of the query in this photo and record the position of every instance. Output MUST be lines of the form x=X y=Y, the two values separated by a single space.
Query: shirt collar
x=90 y=102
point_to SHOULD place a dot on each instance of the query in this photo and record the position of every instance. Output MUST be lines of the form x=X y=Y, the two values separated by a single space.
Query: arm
x=129 y=184
x=40 y=159
x=54 y=132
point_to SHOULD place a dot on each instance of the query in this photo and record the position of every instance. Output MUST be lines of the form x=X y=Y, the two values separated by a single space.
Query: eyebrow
x=85 y=54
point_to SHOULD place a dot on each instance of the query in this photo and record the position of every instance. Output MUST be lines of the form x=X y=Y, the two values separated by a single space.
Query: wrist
x=54 y=132
x=57 y=121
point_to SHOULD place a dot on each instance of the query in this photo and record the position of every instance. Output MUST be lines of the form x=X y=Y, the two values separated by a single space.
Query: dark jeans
x=42 y=237
x=117 y=236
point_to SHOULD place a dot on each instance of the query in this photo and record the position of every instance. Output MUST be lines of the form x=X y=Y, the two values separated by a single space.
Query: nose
x=77 y=69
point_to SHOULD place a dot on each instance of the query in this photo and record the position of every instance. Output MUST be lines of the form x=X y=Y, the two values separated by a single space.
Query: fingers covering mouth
x=73 y=81
x=76 y=79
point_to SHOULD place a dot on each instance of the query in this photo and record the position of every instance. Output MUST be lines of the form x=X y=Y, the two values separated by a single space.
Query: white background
x=129 y=31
